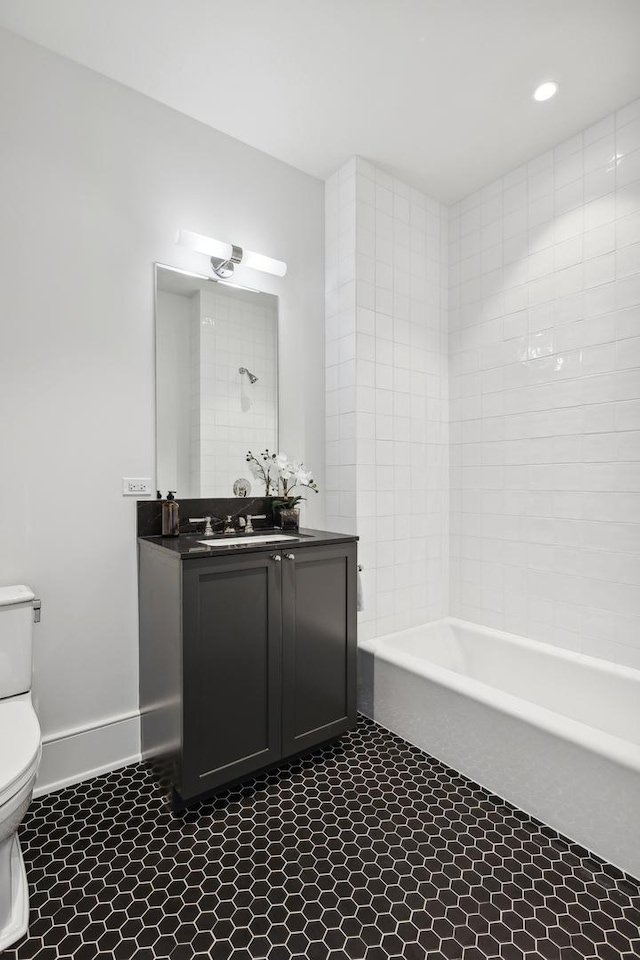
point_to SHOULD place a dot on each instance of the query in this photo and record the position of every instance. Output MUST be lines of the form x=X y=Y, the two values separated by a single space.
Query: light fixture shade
x=206 y=245
x=227 y=251
x=267 y=264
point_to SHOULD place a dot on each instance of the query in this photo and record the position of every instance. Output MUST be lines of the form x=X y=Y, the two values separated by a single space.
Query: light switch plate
x=136 y=486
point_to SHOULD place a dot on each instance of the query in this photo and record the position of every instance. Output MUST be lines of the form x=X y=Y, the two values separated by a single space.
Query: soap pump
x=170 y=516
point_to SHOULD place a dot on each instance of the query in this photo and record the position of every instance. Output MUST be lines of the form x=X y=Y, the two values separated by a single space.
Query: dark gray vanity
x=247 y=653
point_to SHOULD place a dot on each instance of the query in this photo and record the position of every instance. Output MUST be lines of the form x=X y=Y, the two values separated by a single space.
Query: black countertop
x=188 y=547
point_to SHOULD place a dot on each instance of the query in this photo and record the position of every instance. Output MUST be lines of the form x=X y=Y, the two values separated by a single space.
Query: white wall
x=387 y=409
x=94 y=181
x=545 y=387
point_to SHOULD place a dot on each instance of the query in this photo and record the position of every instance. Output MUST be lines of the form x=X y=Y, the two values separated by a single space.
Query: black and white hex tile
x=366 y=850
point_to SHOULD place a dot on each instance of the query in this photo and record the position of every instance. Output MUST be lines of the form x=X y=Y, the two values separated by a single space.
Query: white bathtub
x=553 y=732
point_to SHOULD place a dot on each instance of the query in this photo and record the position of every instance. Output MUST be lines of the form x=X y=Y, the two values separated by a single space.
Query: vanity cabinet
x=246 y=658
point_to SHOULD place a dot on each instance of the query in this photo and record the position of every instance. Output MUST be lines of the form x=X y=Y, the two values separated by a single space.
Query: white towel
x=360 y=592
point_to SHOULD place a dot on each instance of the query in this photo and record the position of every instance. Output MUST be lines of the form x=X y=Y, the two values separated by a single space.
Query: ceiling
x=437 y=92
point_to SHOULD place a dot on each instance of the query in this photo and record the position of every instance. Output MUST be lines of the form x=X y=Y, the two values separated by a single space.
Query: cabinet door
x=232 y=683
x=319 y=644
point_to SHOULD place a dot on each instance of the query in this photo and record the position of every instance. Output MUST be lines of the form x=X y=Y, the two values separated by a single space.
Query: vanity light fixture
x=224 y=256
x=545 y=91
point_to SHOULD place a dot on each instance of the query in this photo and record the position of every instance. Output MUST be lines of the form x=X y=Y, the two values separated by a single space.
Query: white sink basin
x=247 y=541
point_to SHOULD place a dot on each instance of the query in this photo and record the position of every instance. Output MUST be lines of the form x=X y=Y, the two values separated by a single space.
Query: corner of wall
x=387 y=394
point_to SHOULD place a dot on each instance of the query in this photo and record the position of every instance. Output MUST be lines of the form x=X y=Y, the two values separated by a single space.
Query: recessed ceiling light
x=546 y=90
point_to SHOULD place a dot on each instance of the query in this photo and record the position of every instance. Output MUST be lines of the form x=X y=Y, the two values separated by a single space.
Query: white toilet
x=20 y=749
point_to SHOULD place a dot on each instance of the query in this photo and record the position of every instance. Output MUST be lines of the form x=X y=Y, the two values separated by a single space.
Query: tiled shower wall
x=545 y=396
x=387 y=395
x=229 y=415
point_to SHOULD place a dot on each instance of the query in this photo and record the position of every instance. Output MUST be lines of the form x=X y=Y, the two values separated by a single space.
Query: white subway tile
x=599 y=270
x=627 y=415
x=628 y=137
x=628 y=169
x=599 y=153
x=628 y=292
x=628 y=230
x=599 y=184
x=628 y=353
x=627 y=260
x=599 y=241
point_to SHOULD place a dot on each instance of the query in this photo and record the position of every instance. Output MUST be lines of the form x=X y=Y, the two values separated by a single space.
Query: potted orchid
x=284 y=475
x=262 y=470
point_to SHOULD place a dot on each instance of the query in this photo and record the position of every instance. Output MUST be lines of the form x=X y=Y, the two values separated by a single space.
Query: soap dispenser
x=170 y=516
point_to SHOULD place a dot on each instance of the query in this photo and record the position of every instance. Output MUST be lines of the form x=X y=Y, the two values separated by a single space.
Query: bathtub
x=554 y=732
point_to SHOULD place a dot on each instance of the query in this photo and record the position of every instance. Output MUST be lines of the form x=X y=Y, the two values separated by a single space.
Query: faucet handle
x=208 y=529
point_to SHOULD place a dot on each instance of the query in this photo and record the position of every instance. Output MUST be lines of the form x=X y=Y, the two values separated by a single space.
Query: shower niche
x=216 y=383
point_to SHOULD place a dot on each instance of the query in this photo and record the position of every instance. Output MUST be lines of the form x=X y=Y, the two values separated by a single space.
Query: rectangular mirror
x=216 y=383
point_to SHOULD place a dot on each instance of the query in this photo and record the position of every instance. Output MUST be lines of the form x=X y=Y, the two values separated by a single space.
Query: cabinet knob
x=290 y=556
x=276 y=556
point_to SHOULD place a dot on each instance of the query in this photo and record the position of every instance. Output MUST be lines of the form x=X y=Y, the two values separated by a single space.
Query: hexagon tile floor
x=365 y=849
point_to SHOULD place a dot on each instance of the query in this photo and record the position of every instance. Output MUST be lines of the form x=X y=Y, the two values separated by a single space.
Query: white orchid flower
x=303 y=477
x=285 y=466
x=281 y=473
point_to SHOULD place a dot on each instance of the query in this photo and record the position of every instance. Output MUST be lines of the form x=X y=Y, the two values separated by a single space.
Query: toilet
x=20 y=748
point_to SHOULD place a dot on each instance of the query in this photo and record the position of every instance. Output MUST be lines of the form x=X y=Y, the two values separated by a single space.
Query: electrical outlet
x=136 y=486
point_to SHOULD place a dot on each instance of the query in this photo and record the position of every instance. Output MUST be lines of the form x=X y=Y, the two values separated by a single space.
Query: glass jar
x=287 y=518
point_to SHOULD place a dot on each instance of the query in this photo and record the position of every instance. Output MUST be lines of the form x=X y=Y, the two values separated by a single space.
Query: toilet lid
x=19 y=746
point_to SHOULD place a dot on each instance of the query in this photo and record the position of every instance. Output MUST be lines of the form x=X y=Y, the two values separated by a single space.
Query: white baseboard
x=76 y=755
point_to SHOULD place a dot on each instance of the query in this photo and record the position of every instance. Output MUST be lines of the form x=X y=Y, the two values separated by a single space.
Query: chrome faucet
x=229 y=527
x=208 y=529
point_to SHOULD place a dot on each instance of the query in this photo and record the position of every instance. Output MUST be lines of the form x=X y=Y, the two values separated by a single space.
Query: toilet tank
x=16 y=625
